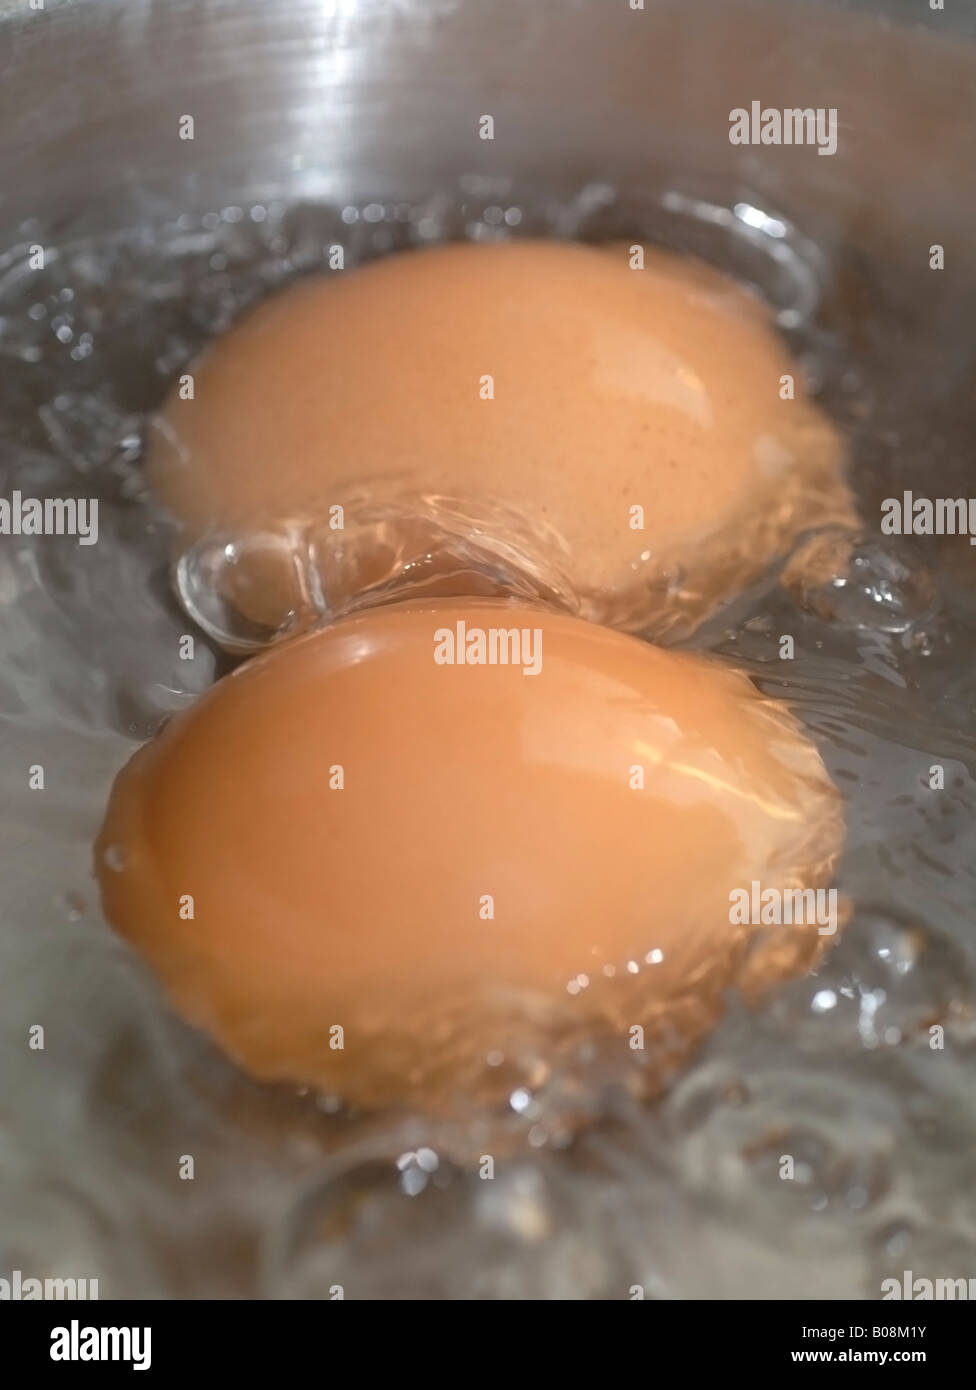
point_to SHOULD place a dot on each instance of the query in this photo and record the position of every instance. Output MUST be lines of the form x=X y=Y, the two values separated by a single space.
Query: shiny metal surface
x=346 y=97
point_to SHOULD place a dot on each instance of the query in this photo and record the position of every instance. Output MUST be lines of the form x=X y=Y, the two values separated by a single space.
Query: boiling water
x=290 y=1195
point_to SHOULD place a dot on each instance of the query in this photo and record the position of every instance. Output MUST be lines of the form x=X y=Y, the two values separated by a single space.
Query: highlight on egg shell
x=440 y=850
x=618 y=430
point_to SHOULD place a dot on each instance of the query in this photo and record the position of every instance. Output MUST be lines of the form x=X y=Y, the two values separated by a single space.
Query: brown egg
x=366 y=867
x=538 y=416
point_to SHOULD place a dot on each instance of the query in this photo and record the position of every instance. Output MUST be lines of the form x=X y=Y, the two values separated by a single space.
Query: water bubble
x=249 y=592
x=888 y=978
x=416 y=1168
x=861 y=581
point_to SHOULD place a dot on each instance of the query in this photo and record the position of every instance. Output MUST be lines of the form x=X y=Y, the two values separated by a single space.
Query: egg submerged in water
x=423 y=854
x=628 y=438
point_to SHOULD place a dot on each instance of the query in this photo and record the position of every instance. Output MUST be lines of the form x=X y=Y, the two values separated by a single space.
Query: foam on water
x=291 y=1195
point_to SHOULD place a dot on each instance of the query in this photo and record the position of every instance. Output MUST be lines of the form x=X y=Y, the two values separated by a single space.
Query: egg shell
x=458 y=861
x=637 y=442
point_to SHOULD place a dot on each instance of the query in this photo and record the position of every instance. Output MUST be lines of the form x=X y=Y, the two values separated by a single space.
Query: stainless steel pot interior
x=345 y=97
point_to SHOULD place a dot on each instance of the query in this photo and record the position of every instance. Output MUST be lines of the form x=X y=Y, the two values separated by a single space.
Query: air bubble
x=887 y=979
x=863 y=582
x=247 y=593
